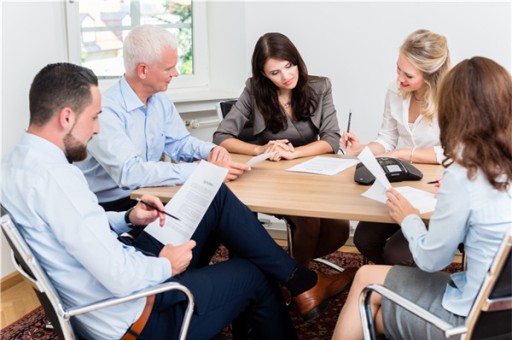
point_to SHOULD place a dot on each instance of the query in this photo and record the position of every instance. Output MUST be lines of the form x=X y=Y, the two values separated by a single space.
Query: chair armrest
x=367 y=317
x=163 y=287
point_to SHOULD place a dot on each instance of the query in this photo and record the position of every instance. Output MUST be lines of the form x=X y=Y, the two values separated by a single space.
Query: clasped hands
x=283 y=148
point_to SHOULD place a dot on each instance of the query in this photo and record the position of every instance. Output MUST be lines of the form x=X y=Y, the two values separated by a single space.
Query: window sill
x=190 y=100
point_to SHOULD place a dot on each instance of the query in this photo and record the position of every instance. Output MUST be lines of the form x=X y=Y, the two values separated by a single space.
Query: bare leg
x=349 y=322
x=333 y=235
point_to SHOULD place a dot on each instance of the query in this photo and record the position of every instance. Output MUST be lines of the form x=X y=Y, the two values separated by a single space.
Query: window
x=96 y=30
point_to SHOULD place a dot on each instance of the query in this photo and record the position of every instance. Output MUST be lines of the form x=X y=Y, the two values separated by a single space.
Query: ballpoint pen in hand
x=348 y=126
x=153 y=207
x=433 y=182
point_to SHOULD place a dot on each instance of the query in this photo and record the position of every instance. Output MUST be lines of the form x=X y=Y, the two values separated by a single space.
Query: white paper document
x=422 y=200
x=324 y=165
x=189 y=204
x=260 y=158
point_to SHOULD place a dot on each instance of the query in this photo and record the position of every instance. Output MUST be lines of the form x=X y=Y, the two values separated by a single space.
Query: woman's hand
x=349 y=143
x=437 y=185
x=282 y=147
x=398 y=206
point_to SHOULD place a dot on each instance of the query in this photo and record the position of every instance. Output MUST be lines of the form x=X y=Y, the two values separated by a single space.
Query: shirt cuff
x=412 y=225
x=117 y=223
x=206 y=148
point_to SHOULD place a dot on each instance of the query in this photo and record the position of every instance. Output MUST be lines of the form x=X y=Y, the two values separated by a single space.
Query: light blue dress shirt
x=69 y=233
x=468 y=211
x=133 y=137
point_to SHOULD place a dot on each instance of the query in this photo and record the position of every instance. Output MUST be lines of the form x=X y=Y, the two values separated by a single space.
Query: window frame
x=198 y=81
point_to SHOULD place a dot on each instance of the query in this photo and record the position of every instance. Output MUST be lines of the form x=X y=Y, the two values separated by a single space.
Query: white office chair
x=28 y=266
x=490 y=316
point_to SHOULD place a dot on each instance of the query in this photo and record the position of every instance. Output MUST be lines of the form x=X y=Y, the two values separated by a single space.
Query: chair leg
x=289 y=237
x=317 y=260
x=329 y=264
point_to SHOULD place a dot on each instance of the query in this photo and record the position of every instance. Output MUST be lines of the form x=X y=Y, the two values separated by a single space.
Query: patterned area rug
x=31 y=326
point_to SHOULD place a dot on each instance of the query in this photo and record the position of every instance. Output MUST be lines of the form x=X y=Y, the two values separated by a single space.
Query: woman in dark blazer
x=293 y=114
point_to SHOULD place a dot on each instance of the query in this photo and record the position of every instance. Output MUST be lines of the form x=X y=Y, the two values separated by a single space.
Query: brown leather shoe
x=314 y=301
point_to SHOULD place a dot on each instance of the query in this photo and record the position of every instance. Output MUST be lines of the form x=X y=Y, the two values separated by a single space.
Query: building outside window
x=97 y=29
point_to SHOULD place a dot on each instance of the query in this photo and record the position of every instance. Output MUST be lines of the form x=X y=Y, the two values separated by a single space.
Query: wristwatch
x=127 y=218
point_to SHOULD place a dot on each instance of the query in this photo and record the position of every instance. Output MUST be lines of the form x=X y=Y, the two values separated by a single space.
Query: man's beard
x=75 y=150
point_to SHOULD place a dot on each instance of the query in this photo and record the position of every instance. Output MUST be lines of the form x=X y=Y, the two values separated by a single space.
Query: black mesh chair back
x=247 y=133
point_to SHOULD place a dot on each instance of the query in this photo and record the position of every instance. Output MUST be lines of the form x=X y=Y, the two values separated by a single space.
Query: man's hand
x=179 y=256
x=143 y=214
x=219 y=154
x=235 y=169
x=399 y=207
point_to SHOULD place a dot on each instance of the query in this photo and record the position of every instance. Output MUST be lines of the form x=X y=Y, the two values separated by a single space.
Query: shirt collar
x=44 y=147
x=131 y=100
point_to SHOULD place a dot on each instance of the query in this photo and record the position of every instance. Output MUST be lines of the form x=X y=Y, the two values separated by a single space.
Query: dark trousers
x=383 y=243
x=242 y=289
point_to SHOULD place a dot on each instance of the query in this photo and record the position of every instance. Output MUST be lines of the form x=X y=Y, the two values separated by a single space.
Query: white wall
x=356 y=43
x=33 y=35
x=353 y=43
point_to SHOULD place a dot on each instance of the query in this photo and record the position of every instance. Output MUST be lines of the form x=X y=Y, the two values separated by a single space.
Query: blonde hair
x=428 y=52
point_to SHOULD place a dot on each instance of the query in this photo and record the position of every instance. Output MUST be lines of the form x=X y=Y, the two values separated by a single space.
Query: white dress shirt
x=395 y=126
x=468 y=211
x=69 y=233
x=133 y=137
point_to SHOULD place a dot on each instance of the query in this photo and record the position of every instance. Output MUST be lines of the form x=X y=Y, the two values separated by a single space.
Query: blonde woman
x=475 y=201
x=410 y=117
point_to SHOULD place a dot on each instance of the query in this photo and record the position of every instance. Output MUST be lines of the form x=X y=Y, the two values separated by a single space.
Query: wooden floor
x=17 y=301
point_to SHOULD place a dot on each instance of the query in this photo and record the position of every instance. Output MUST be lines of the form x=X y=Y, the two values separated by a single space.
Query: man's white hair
x=144 y=44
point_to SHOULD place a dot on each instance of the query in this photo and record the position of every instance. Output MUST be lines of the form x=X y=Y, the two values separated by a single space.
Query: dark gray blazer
x=323 y=125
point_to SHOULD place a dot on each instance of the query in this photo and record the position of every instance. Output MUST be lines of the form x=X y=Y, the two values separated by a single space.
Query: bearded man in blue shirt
x=76 y=241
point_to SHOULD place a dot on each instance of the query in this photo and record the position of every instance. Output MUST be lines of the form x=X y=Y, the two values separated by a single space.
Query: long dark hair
x=304 y=102
x=475 y=119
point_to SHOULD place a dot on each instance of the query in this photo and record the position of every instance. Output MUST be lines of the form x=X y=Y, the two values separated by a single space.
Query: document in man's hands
x=189 y=204
x=324 y=165
x=422 y=200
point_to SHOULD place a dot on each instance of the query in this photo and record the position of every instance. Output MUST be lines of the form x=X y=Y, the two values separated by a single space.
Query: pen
x=348 y=126
x=153 y=207
x=433 y=182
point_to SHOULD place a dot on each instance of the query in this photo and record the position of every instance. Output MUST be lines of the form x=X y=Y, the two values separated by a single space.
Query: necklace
x=286 y=105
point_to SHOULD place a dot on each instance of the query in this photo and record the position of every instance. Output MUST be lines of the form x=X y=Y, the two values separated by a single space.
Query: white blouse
x=421 y=134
